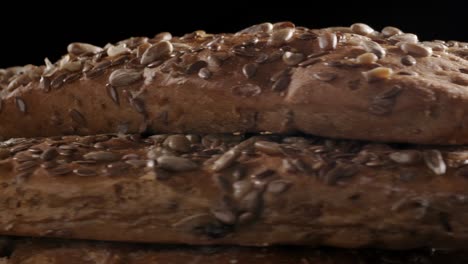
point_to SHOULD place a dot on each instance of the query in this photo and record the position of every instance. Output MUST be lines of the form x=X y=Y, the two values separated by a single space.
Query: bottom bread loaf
x=43 y=251
x=235 y=189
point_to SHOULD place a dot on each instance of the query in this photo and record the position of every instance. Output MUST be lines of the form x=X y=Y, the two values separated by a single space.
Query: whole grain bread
x=39 y=251
x=233 y=189
x=345 y=82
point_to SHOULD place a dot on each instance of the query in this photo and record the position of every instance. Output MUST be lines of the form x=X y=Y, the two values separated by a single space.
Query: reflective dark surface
x=30 y=33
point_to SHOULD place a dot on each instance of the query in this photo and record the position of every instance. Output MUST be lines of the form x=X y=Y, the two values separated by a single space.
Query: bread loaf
x=353 y=83
x=71 y=252
x=232 y=189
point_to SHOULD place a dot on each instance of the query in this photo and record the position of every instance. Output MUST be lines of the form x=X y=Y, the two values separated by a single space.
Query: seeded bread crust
x=73 y=252
x=353 y=83
x=215 y=190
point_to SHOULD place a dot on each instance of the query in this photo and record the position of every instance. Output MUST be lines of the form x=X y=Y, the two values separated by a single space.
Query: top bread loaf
x=344 y=82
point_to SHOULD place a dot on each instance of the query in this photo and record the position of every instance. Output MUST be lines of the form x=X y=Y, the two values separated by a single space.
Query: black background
x=30 y=35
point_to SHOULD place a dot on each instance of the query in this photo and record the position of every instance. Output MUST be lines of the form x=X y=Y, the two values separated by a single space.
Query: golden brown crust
x=226 y=189
x=80 y=252
x=277 y=78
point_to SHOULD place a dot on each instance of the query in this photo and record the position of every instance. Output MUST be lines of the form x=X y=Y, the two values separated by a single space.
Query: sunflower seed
x=291 y=58
x=309 y=62
x=136 y=163
x=367 y=58
x=275 y=77
x=282 y=83
x=361 y=29
x=280 y=37
x=383 y=103
x=22 y=177
x=85 y=172
x=155 y=64
x=94 y=73
x=406 y=157
x=163 y=36
x=177 y=164
x=327 y=41
x=124 y=77
x=226 y=160
x=260 y=28
x=117 y=50
x=392 y=92
x=318 y=54
x=407 y=73
x=415 y=49
x=460 y=80
x=138 y=105
x=251 y=202
x=78 y=49
x=307 y=36
x=191 y=222
x=72 y=77
x=44 y=84
x=225 y=216
x=379 y=73
x=23 y=157
x=278 y=186
x=274 y=56
x=57 y=82
x=249 y=70
x=135 y=64
x=131 y=156
x=140 y=50
x=391 y=31
x=408 y=60
x=103 y=65
x=241 y=188
x=204 y=73
x=71 y=66
x=85 y=162
x=262 y=58
x=243 y=51
x=113 y=94
x=434 y=161
x=68 y=147
x=156 y=52
x=27 y=165
x=407 y=37
x=196 y=66
x=246 y=90
x=381 y=106
x=341 y=171
x=48 y=164
x=49 y=154
x=77 y=117
x=214 y=61
x=325 y=76
x=374 y=47
x=178 y=143
x=246 y=217
x=268 y=147
x=21 y=105
x=20 y=147
x=435 y=46
x=102 y=156
x=281 y=25
x=60 y=170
